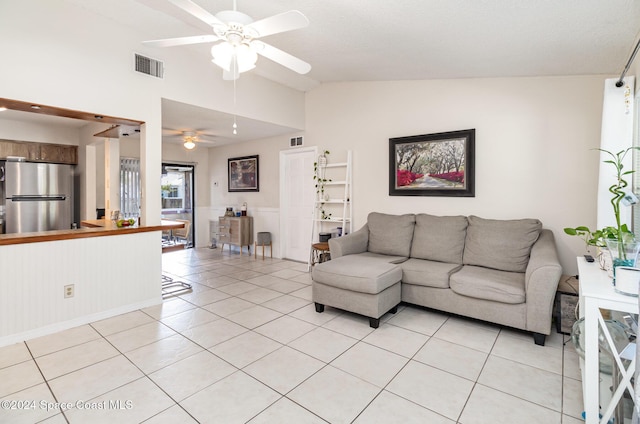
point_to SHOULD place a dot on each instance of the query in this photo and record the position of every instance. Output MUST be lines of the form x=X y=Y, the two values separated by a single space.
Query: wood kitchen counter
x=89 y=228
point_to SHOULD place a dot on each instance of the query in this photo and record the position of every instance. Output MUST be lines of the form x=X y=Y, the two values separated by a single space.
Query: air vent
x=149 y=66
x=296 y=141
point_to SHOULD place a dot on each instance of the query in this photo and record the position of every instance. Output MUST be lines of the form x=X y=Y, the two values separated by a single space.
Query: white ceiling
x=376 y=40
x=371 y=40
x=213 y=128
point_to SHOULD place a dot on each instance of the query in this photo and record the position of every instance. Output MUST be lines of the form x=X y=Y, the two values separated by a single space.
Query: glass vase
x=623 y=253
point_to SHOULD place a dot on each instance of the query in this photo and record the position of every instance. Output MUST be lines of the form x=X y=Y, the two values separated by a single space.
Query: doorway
x=178 y=203
x=297 y=197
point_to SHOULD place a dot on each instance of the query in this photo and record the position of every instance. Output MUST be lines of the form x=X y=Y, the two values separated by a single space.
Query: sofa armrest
x=356 y=242
x=541 y=282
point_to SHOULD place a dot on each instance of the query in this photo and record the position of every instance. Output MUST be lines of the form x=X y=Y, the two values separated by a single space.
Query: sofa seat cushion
x=439 y=238
x=489 y=284
x=390 y=234
x=357 y=273
x=428 y=273
x=504 y=245
x=387 y=258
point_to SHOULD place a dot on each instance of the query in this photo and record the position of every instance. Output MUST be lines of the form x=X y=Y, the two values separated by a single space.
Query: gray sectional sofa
x=501 y=271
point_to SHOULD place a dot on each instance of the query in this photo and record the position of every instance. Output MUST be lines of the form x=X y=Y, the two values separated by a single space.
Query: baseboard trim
x=75 y=322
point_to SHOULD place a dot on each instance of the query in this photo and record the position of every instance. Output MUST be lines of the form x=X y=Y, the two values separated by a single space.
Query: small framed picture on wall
x=243 y=173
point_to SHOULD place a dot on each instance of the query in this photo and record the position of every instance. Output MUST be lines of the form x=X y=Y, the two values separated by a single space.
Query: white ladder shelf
x=336 y=202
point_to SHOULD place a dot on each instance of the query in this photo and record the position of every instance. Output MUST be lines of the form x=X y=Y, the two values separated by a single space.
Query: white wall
x=263 y=205
x=10 y=129
x=268 y=149
x=533 y=147
x=533 y=141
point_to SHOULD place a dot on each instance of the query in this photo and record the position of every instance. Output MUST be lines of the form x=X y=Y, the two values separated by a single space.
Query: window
x=130 y=187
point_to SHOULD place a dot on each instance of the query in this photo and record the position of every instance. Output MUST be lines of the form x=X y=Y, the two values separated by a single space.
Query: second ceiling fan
x=237 y=38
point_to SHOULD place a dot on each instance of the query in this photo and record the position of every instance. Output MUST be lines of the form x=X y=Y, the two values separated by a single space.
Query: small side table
x=320 y=253
x=564 y=305
x=263 y=239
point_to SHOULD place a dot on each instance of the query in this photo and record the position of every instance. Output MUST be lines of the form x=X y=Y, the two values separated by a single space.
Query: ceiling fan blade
x=181 y=41
x=195 y=10
x=281 y=57
x=282 y=22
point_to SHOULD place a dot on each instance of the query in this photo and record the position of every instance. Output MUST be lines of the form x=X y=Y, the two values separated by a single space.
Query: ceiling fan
x=237 y=38
x=190 y=138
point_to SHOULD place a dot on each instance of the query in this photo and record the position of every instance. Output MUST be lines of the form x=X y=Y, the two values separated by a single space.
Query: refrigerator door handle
x=38 y=198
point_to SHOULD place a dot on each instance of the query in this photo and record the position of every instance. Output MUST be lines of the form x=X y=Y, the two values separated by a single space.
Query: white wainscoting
x=111 y=275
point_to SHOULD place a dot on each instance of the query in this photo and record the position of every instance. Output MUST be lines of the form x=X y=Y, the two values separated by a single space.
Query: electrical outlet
x=69 y=291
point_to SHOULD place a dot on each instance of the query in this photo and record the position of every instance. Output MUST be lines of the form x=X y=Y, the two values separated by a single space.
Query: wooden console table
x=236 y=230
x=596 y=292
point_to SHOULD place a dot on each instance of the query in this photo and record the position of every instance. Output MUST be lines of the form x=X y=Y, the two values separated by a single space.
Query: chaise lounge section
x=501 y=271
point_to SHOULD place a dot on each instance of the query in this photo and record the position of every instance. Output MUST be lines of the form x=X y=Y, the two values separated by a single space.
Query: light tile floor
x=246 y=346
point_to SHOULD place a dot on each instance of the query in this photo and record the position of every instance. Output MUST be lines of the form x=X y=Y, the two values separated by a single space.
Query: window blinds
x=130 y=187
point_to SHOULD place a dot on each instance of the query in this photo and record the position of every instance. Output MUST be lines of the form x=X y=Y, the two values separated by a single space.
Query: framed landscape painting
x=243 y=173
x=440 y=164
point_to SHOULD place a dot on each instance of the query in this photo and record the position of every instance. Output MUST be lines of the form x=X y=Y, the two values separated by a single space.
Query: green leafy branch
x=620 y=231
x=319 y=177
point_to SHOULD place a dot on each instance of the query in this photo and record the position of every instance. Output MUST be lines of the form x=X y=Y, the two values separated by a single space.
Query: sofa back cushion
x=500 y=244
x=439 y=238
x=390 y=234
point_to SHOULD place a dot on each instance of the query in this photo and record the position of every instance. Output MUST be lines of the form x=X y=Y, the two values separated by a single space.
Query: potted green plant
x=319 y=168
x=617 y=239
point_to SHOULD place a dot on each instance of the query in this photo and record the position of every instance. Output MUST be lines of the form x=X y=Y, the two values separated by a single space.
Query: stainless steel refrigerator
x=37 y=196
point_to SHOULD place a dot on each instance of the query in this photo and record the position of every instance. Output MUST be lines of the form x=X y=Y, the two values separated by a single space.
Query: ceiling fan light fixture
x=189 y=140
x=225 y=54
x=222 y=54
x=246 y=57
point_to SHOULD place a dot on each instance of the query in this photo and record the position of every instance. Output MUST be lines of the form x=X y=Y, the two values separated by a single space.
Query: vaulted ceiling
x=377 y=40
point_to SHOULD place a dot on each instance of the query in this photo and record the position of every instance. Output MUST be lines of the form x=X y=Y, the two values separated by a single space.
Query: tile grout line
x=46 y=382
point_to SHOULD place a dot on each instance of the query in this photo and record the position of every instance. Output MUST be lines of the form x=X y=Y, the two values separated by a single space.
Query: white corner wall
x=533 y=141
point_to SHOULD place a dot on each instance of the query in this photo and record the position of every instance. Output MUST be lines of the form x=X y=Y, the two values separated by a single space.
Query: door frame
x=192 y=165
x=283 y=156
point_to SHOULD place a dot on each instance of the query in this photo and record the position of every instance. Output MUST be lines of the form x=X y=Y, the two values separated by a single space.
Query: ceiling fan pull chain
x=235 y=108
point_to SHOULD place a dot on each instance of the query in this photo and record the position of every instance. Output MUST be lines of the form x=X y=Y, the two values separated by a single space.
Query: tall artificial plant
x=620 y=232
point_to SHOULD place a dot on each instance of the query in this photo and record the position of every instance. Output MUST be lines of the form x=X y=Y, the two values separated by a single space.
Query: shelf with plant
x=619 y=236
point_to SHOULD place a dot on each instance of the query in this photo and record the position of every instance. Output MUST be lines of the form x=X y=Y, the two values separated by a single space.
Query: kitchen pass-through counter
x=89 y=228
x=106 y=270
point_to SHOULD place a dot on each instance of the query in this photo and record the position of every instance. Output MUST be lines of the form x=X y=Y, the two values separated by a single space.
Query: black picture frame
x=439 y=164
x=243 y=173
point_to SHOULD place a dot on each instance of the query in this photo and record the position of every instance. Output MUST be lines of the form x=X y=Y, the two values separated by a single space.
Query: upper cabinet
x=17 y=148
x=39 y=152
x=59 y=153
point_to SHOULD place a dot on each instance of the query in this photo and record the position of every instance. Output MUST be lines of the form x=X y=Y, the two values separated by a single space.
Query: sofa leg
x=319 y=307
x=374 y=322
x=394 y=309
x=539 y=338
